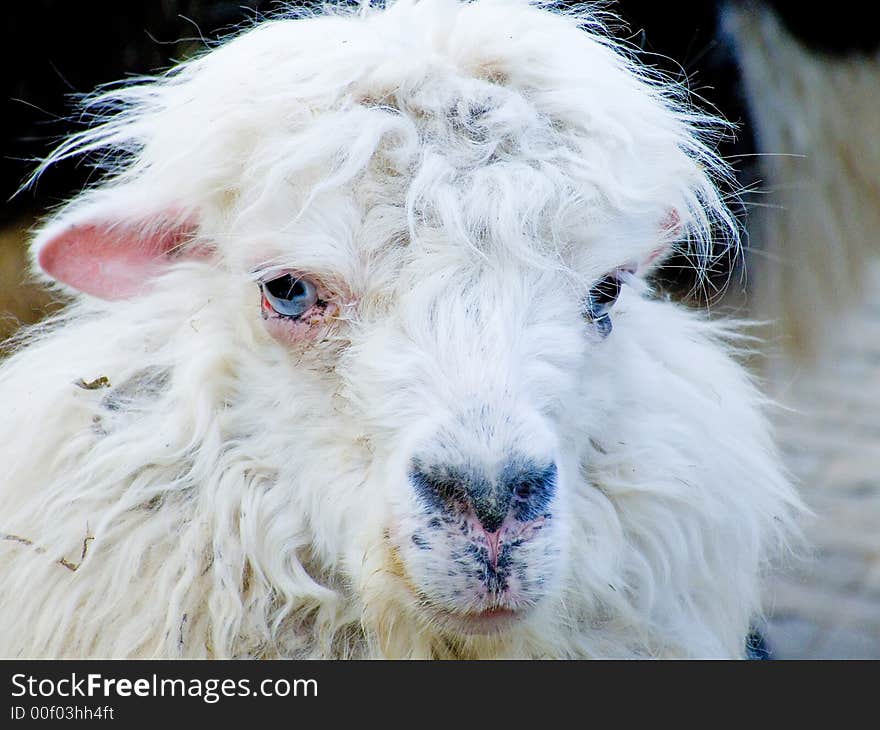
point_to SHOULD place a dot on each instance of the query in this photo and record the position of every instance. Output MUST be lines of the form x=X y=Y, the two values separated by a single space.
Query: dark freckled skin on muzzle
x=494 y=574
x=495 y=517
x=420 y=542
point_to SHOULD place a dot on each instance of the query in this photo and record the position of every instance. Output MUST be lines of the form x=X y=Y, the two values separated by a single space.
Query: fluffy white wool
x=465 y=173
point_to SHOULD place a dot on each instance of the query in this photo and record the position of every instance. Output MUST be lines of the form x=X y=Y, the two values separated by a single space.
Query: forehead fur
x=494 y=122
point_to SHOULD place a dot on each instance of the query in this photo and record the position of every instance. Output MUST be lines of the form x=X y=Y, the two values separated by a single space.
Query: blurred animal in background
x=812 y=81
x=816 y=116
x=362 y=359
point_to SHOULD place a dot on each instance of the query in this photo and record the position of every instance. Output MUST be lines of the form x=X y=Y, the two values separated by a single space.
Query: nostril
x=524 y=489
x=533 y=487
x=531 y=480
x=461 y=490
x=441 y=487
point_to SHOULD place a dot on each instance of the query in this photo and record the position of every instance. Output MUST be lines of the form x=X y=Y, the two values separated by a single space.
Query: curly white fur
x=464 y=172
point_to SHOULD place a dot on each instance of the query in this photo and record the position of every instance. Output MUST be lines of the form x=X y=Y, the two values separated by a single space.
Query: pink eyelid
x=310 y=324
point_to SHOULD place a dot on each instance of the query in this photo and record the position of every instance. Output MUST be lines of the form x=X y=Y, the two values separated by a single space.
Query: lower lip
x=491 y=621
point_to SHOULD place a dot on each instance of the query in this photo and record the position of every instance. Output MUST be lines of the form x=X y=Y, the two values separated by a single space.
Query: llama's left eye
x=288 y=295
x=599 y=301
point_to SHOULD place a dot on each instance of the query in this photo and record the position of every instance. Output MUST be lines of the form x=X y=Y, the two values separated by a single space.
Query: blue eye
x=289 y=296
x=600 y=300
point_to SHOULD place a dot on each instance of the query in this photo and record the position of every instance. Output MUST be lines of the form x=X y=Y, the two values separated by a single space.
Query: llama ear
x=111 y=258
x=670 y=230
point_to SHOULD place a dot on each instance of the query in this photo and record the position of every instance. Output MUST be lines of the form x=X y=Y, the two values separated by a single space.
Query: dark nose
x=523 y=488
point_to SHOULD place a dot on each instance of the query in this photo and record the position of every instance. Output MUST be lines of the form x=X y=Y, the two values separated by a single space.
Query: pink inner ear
x=671 y=224
x=670 y=228
x=656 y=253
x=110 y=261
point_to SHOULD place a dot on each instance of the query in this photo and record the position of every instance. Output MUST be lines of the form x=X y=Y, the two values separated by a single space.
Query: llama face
x=468 y=384
x=477 y=474
x=466 y=355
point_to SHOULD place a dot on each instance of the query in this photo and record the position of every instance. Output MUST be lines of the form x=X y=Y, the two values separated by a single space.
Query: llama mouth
x=488 y=622
x=485 y=592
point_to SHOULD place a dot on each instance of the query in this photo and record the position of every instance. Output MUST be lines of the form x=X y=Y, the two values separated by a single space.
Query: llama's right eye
x=600 y=299
x=289 y=295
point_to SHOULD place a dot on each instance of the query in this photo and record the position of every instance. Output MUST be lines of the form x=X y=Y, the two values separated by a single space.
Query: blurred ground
x=829 y=605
